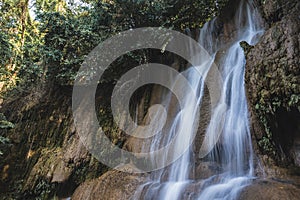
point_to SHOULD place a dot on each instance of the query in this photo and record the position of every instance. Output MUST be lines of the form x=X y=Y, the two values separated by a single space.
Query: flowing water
x=233 y=150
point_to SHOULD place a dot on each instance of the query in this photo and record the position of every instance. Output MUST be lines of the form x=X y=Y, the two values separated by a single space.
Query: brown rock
x=272 y=81
x=206 y=169
x=112 y=185
x=270 y=190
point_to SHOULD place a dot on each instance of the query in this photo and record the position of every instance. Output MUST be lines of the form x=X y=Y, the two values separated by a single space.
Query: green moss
x=44 y=190
x=294 y=101
x=4 y=124
x=266 y=142
x=246 y=47
x=266 y=110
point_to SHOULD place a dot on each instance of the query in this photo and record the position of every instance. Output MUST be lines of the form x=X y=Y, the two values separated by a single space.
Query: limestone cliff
x=273 y=84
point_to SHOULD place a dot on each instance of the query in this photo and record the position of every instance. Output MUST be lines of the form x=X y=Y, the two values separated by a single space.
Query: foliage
x=266 y=110
x=266 y=142
x=43 y=190
x=4 y=124
x=19 y=44
x=52 y=46
x=67 y=40
x=6 y=49
x=3 y=140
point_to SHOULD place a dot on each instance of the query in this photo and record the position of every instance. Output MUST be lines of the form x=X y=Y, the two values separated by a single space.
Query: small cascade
x=227 y=130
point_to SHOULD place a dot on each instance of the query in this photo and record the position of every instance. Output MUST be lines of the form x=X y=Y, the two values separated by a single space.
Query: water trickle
x=233 y=149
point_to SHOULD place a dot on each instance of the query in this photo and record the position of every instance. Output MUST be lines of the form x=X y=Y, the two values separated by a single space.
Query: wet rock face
x=207 y=169
x=45 y=156
x=273 y=82
x=270 y=189
x=113 y=185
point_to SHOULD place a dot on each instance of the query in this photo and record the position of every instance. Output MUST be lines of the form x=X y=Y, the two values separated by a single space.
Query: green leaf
x=6 y=124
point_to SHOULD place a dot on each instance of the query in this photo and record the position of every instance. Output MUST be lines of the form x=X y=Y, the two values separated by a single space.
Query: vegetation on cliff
x=42 y=44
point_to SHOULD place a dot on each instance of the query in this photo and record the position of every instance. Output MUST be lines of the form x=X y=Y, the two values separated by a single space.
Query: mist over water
x=228 y=128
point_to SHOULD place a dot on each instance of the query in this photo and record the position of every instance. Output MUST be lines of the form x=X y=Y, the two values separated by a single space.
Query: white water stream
x=233 y=151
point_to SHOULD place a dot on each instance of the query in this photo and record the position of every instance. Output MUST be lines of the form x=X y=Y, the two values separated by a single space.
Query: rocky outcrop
x=113 y=185
x=271 y=190
x=44 y=156
x=273 y=84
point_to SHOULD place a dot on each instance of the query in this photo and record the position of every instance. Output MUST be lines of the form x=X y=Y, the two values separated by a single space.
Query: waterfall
x=233 y=149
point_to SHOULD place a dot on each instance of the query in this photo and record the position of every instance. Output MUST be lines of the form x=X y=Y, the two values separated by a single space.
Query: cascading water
x=233 y=150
